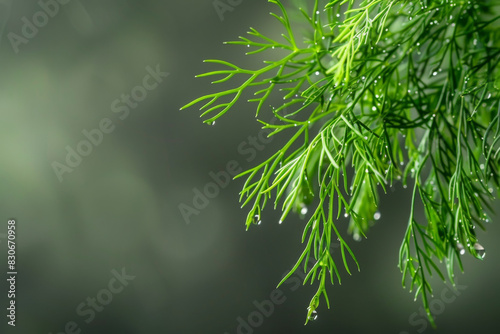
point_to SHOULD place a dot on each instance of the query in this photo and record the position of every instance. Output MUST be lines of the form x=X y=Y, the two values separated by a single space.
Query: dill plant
x=376 y=92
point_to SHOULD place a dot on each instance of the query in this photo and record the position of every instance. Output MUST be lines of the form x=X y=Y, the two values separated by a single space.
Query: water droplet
x=374 y=108
x=280 y=221
x=377 y=215
x=479 y=250
x=356 y=237
x=211 y=123
x=256 y=220
x=303 y=211
x=461 y=248
x=434 y=73
x=313 y=316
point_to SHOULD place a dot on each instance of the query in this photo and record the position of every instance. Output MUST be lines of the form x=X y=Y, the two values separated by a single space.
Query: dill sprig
x=378 y=92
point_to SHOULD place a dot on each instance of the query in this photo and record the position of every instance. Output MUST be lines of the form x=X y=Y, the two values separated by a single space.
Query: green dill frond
x=378 y=92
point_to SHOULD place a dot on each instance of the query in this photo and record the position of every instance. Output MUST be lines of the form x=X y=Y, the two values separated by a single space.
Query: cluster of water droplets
x=480 y=251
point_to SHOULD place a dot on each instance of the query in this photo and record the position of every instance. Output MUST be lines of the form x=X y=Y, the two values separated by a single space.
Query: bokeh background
x=119 y=208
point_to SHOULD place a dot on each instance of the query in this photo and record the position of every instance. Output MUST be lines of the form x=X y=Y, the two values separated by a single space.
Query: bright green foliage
x=379 y=91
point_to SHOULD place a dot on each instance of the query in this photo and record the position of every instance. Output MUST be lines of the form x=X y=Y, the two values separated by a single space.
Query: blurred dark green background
x=118 y=209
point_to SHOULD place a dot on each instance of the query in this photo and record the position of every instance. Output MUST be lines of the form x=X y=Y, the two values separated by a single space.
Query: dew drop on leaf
x=480 y=250
x=313 y=316
x=377 y=215
x=256 y=220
